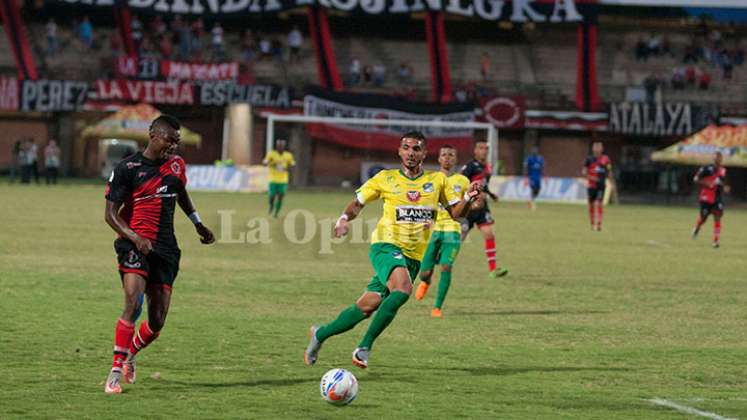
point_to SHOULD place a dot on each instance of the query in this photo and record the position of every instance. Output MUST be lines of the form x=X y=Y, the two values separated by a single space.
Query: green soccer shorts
x=277 y=188
x=385 y=258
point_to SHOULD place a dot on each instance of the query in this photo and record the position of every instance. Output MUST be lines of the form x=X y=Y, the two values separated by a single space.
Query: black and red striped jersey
x=477 y=171
x=148 y=190
x=713 y=179
x=597 y=170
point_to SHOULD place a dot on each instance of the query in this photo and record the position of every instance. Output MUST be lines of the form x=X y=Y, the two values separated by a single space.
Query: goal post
x=492 y=131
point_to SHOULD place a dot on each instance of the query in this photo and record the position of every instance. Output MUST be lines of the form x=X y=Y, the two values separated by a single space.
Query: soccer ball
x=338 y=387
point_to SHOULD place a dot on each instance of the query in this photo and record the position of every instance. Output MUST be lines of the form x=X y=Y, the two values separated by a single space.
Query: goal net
x=337 y=151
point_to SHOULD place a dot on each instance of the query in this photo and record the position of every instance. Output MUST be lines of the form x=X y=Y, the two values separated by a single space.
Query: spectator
x=115 y=44
x=295 y=40
x=198 y=30
x=277 y=49
x=15 y=163
x=23 y=161
x=158 y=26
x=405 y=73
x=691 y=75
x=678 y=77
x=379 y=74
x=248 y=46
x=218 y=52
x=85 y=31
x=704 y=81
x=485 y=66
x=666 y=46
x=246 y=74
x=183 y=35
x=651 y=85
x=30 y=164
x=691 y=54
x=136 y=26
x=654 y=45
x=265 y=48
x=641 y=50
x=52 y=161
x=367 y=74
x=165 y=47
x=52 y=43
x=355 y=71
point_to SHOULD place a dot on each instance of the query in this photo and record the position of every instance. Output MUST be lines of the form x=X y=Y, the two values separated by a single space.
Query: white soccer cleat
x=360 y=357
x=113 y=385
x=312 y=350
x=129 y=370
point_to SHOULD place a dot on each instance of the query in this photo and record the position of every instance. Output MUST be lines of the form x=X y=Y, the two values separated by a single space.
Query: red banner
x=194 y=71
x=503 y=111
x=174 y=93
x=8 y=93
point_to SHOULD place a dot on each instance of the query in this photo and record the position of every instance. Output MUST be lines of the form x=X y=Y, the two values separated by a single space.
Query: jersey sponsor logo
x=133 y=261
x=176 y=168
x=415 y=214
x=428 y=187
x=413 y=196
x=162 y=189
x=131 y=165
x=141 y=174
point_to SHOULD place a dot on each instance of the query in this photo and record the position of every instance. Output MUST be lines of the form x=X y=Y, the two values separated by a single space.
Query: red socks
x=600 y=212
x=122 y=339
x=143 y=337
x=592 y=214
x=716 y=231
x=490 y=253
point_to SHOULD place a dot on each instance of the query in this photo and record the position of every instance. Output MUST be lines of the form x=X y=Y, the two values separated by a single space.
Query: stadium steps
x=6 y=54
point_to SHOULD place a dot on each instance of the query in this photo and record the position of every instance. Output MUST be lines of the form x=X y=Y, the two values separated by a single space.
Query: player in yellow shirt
x=411 y=198
x=446 y=239
x=278 y=161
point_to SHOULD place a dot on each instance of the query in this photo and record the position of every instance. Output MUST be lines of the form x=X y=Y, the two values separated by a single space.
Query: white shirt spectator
x=355 y=66
x=295 y=39
x=264 y=46
x=51 y=29
x=217 y=35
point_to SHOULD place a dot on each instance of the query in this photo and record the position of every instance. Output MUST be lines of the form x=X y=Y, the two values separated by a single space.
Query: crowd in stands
x=376 y=75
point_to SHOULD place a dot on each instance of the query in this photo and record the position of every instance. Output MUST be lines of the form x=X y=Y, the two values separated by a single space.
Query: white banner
x=227 y=178
x=562 y=190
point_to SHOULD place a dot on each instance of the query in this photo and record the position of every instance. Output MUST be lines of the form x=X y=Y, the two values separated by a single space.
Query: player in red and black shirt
x=141 y=197
x=479 y=170
x=597 y=168
x=712 y=180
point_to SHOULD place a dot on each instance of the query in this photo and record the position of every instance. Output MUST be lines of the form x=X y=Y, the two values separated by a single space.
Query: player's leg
x=400 y=287
x=717 y=214
x=279 y=198
x=426 y=266
x=271 y=196
x=449 y=252
x=535 y=186
x=133 y=285
x=490 y=253
x=705 y=210
x=591 y=192
x=600 y=209
x=346 y=320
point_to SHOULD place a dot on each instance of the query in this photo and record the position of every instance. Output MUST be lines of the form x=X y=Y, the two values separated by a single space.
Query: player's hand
x=727 y=189
x=341 y=227
x=143 y=245
x=206 y=235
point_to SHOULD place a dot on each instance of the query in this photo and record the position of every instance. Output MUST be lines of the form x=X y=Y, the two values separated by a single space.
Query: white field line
x=688 y=410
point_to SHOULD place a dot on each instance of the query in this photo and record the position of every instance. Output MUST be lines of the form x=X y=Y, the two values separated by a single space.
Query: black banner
x=514 y=10
x=659 y=119
x=53 y=95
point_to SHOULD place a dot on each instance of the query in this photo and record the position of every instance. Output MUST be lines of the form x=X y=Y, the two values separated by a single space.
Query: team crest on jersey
x=131 y=165
x=413 y=196
x=428 y=187
x=457 y=188
x=176 y=168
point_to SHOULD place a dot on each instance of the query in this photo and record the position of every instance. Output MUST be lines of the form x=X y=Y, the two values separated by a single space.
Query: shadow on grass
x=530 y=312
x=248 y=384
x=506 y=371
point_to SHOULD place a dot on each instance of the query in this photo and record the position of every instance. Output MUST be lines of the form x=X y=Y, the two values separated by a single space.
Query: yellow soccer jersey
x=456 y=184
x=278 y=165
x=410 y=207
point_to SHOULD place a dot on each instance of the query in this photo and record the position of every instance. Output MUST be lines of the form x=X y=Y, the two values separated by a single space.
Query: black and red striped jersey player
x=712 y=181
x=597 y=169
x=141 y=197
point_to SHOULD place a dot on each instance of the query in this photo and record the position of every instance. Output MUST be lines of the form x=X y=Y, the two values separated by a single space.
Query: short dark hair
x=447 y=146
x=167 y=119
x=478 y=141
x=414 y=134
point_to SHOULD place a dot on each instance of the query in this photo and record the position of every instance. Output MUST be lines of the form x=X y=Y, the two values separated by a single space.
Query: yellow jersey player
x=278 y=161
x=411 y=197
x=446 y=239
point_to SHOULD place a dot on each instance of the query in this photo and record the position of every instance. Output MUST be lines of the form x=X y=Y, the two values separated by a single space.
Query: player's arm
x=350 y=212
x=459 y=207
x=266 y=160
x=111 y=215
x=185 y=202
x=611 y=177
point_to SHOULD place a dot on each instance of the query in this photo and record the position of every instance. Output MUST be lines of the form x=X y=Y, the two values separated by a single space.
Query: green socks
x=278 y=204
x=384 y=315
x=443 y=288
x=348 y=318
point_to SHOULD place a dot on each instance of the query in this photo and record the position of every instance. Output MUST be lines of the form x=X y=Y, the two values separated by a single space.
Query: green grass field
x=586 y=325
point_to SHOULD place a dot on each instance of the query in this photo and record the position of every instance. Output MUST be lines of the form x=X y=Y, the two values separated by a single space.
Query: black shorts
x=707 y=208
x=595 y=194
x=158 y=267
x=479 y=218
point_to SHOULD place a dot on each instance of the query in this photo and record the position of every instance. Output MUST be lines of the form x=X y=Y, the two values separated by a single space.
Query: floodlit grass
x=586 y=325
